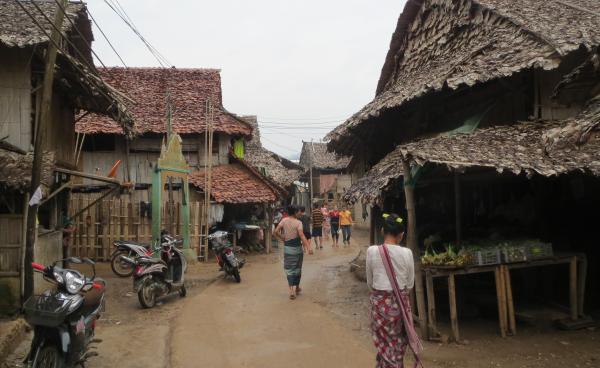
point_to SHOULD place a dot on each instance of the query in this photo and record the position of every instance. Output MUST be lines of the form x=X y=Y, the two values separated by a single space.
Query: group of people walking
x=389 y=268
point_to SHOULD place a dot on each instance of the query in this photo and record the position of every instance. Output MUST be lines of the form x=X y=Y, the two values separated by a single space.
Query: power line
x=106 y=38
x=309 y=118
x=119 y=10
x=304 y=123
x=279 y=145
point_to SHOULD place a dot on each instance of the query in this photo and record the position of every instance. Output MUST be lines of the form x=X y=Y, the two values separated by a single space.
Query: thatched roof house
x=449 y=46
x=279 y=169
x=76 y=75
x=316 y=154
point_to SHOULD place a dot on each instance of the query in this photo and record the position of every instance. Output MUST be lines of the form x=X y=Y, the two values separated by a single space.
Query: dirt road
x=254 y=324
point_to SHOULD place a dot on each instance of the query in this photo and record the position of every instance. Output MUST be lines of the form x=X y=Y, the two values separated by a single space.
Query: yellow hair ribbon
x=386 y=215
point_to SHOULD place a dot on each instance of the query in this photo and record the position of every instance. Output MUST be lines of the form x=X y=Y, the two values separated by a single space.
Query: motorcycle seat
x=125 y=242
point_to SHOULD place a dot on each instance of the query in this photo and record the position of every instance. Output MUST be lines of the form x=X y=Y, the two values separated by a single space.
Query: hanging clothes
x=238 y=148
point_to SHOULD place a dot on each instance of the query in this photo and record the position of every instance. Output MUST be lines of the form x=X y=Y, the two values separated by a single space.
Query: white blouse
x=404 y=267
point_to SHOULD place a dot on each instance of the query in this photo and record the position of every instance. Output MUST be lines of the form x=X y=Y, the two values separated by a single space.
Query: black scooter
x=128 y=249
x=226 y=258
x=64 y=320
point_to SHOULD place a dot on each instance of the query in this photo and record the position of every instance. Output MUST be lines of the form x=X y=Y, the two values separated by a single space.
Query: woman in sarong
x=290 y=231
x=391 y=319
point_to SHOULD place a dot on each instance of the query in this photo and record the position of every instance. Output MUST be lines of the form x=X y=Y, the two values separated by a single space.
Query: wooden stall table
x=506 y=312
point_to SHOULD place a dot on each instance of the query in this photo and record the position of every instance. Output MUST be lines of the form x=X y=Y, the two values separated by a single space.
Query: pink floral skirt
x=387 y=328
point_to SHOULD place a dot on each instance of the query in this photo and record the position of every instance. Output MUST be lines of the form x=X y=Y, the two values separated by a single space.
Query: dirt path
x=254 y=324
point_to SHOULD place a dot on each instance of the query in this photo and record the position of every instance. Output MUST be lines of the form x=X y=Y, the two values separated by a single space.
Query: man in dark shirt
x=317 y=226
x=305 y=219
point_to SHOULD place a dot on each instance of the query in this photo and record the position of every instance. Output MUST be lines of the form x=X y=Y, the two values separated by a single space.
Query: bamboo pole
x=431 y=314
x=499 y=298
x=409 y=191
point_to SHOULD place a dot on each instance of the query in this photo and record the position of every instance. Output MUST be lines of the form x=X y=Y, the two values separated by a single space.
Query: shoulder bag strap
x=413 y=338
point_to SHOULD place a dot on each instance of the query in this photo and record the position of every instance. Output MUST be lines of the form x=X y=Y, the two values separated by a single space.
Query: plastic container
x=514 y=254
x=538 y=251
x=486 y=257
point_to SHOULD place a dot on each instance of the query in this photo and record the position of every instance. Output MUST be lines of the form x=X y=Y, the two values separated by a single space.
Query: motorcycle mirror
x=74 y=260
x=88 y=261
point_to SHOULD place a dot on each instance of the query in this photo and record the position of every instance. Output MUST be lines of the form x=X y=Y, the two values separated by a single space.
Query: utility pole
x=38 y=151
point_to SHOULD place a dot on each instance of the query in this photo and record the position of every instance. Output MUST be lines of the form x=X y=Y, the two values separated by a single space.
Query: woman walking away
x=334 y=222
x=390 y=276
x=346 y=224
x=290 y=231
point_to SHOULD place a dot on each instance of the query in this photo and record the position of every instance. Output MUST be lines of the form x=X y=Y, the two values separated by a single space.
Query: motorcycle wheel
x=146 y=295
x=119 y=267
x=49 y=357
x=236 y=275
x=182 y=291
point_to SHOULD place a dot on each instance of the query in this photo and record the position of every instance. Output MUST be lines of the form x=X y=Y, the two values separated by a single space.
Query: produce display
x=449 y=257
x=487 y=252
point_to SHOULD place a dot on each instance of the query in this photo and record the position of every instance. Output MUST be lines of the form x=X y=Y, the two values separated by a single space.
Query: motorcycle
x=154 y=278
x=64 y=319
x=128 y=249
x=226 y=258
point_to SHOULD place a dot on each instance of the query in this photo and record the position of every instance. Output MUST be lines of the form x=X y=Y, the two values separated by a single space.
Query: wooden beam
x=411 y=239
x=512 y=322
x=457 y=208
x=104 y=179
x=41 y=127
x=453 y=312
x=573 y=288
x=60 y=189
x=581 y=279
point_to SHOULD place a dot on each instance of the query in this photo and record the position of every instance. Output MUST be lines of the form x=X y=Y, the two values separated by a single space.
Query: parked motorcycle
x=154 y=278
x=226 y=258
x=64 y=319
x=128 y=249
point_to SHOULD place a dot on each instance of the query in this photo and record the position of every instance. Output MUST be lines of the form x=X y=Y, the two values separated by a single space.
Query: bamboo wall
x=120 y=218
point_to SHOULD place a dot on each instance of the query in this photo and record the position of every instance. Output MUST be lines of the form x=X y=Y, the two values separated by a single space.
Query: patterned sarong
x=387 y=326
x=293 y=255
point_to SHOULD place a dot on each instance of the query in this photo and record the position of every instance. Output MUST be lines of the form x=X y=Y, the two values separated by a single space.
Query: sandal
x=292 y=296
x=298 y=291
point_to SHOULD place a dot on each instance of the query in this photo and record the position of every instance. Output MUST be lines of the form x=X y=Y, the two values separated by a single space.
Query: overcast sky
x=301 y=66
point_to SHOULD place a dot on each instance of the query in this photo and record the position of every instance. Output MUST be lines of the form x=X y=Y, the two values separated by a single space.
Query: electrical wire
x=309 y=118
x=118 y=9
x=106 y=38
x=304 y=123
x=291 y=150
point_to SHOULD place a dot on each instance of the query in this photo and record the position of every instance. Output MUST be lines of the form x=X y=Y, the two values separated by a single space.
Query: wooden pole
x=573 y=288
x=453 y=312
x=431 y=315
x=457 y=208
x=411 y=239
x=512 y=322
x=500 y=299
x=38 y=151
x=581 y=279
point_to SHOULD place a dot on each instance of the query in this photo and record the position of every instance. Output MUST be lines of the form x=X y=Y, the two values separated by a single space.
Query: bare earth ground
x=254 y=324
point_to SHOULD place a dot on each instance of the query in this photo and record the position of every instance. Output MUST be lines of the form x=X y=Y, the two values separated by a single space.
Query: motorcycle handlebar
x=38 y=266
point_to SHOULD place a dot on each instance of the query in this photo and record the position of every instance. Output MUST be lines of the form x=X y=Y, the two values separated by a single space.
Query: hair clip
x=399 y=220
x=385 y=215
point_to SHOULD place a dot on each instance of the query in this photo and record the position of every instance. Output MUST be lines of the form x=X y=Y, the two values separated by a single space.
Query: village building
x=24 y=36
x=331 y=178
x=484 y=129
x=187 y=102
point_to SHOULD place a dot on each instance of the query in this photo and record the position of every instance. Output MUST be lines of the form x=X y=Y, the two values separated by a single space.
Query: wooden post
x=573 y=288
x=38 y=150
x=512 y=322
x=500 y=300
x=431 y=305
x=581 y=279
x=457 y=208
x=411 y=239
x=452 y=302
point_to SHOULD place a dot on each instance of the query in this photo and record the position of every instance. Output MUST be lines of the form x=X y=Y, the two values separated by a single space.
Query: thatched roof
x=444 y=45
x=189 y=91
x=279 y=169
x=15 y=169
x=80 y=83
x=237 y=184
x=317 y=155
x=546 y=148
